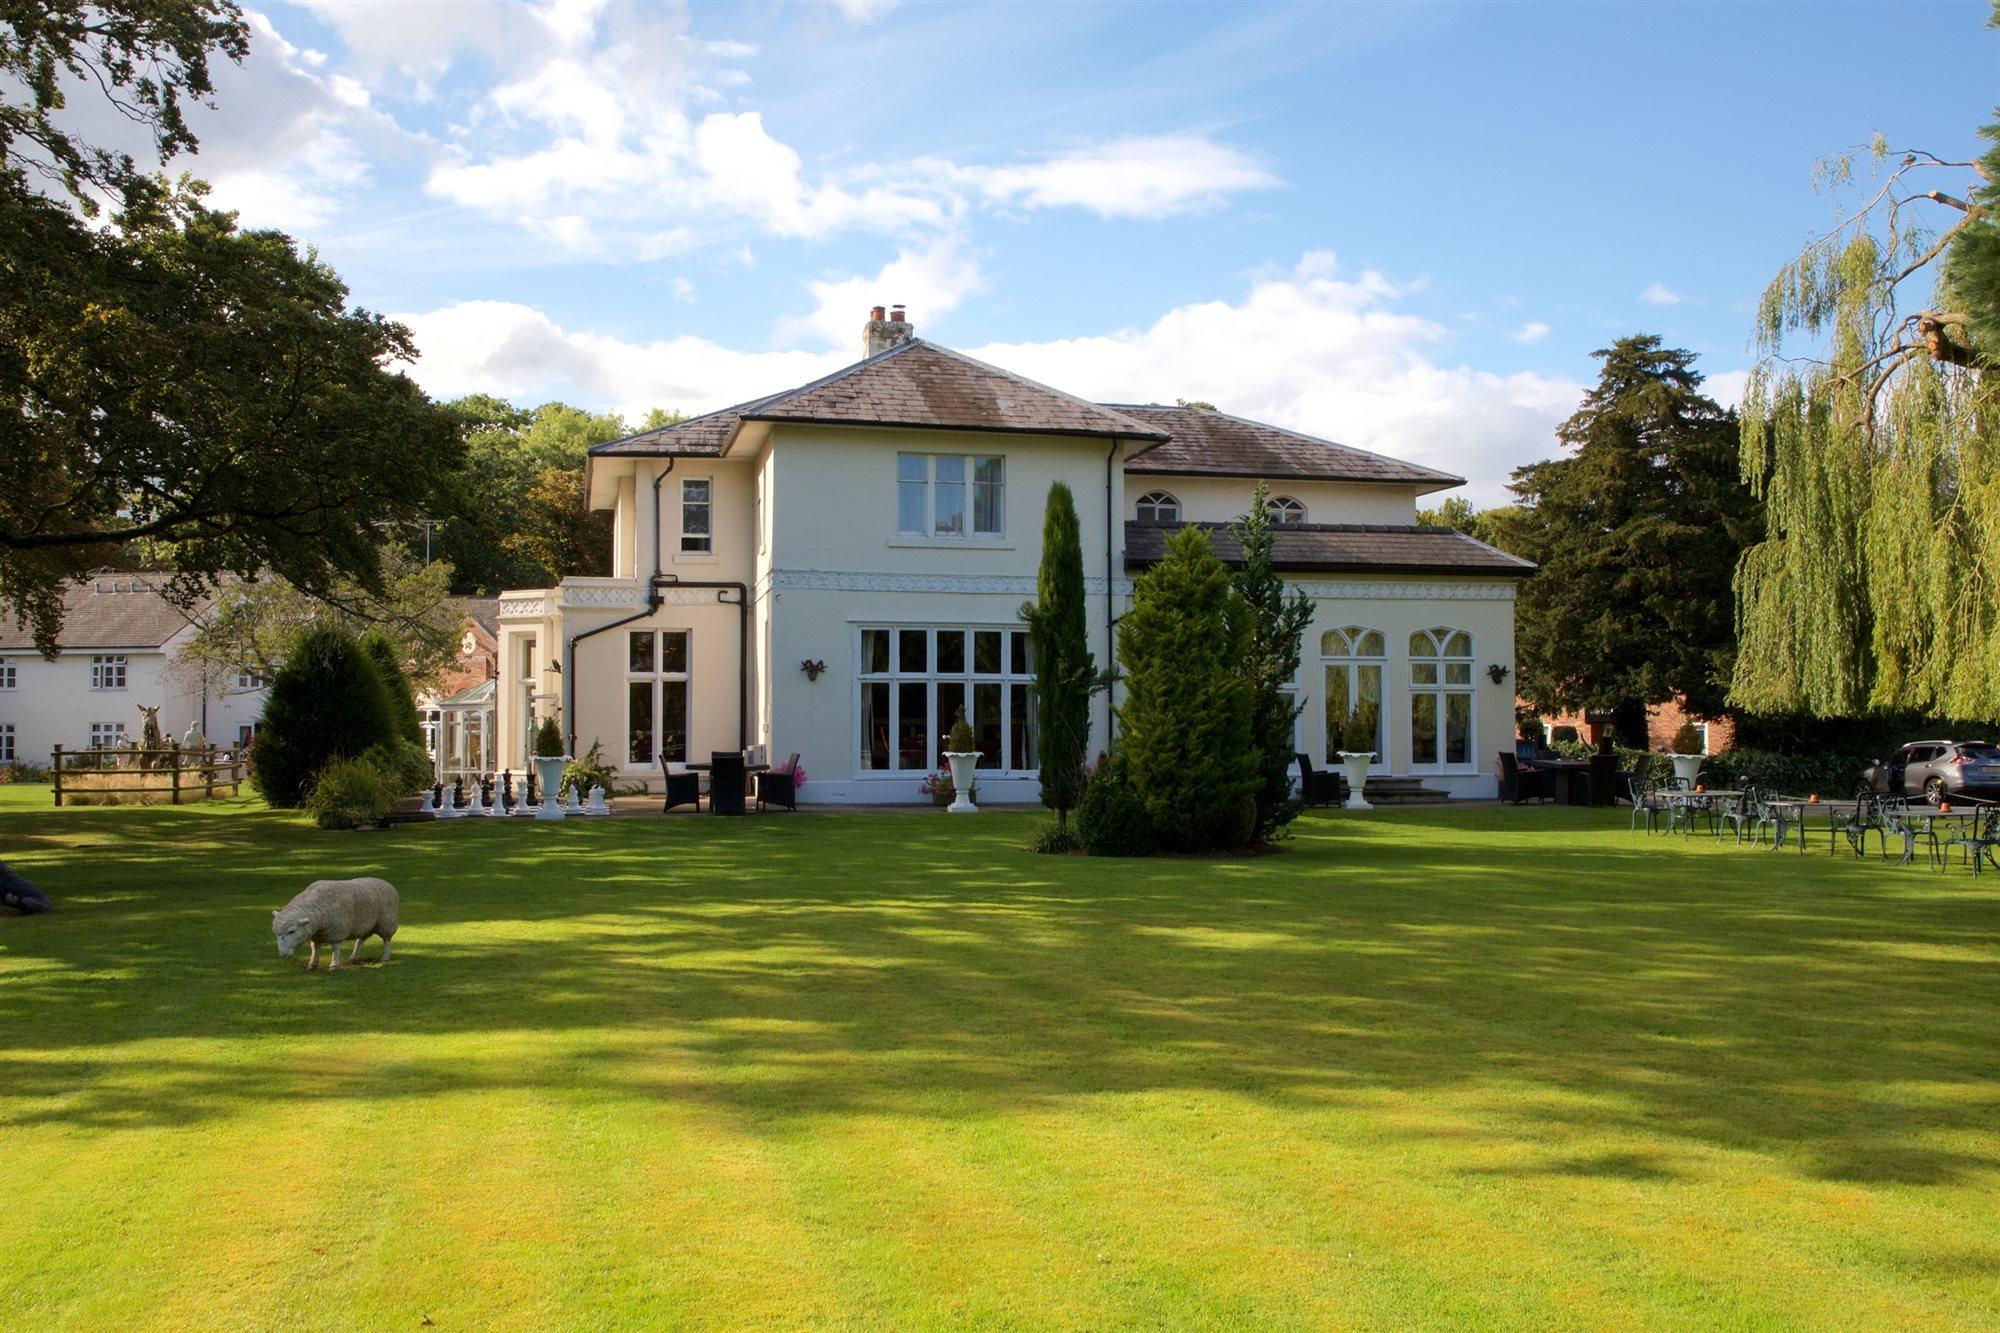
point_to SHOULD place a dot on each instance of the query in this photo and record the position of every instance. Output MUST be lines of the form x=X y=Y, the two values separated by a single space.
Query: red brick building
x=1663 y=721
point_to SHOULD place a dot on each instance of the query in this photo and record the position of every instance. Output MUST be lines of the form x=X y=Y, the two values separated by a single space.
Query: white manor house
x=835 y=570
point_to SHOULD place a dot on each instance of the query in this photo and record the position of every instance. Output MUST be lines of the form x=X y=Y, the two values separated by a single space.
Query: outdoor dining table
x=1930 y=817
x=1569 y=779
x=1706 y=799
x=1786 y=811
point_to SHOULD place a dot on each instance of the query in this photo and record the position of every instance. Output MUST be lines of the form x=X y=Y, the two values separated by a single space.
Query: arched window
x=1440 y=699
x=1352 y=661
x=1159 y=507
x=1284 y=509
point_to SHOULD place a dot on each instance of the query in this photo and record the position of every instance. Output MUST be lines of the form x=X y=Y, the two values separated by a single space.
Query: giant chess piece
x=597 y=805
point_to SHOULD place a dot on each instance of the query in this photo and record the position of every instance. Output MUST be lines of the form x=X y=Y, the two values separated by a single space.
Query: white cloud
x=1661 y=294
x=865 y=11
x=929 y=281
x=518 y=352
x=1727 y=386
x=1531 y=332
x=1133 y=177
x=1310 y=348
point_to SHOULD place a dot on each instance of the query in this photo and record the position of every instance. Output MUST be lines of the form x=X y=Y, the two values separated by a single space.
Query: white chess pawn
x=597 y=805
x=472 y=804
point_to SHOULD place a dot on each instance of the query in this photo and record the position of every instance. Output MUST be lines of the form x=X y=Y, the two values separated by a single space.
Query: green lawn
x=1492 y=1066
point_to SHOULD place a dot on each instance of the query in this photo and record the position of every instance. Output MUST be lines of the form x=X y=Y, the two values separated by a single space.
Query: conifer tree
x=1186 y=718
x=1277 y=623
x=1064 y=670
x=327 y=702
x=381 y=650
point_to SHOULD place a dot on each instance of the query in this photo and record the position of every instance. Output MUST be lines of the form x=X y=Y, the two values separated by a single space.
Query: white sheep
x=328 y=911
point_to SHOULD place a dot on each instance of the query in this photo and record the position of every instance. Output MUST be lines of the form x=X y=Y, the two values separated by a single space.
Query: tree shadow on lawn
x=1834 y=1015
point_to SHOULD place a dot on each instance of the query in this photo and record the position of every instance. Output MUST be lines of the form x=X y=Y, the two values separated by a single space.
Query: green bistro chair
x=1740 y=814
x=1648 y=802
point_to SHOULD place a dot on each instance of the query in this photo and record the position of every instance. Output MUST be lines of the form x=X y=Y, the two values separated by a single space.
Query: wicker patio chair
x=1317 y=786
x=779 y=786
x=683 y=788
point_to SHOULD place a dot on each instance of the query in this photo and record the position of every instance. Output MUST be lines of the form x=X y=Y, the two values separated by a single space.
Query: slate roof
x=482 y=611
x=111 y=609
x=913 y=384
x=1343 y=548
x=1203 y=443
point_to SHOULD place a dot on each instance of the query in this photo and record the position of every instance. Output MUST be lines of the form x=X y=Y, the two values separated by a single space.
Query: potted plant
x=961 y=751
x=549 y=764
x=938 y=787
x=1357 y=740
x=1685 y=751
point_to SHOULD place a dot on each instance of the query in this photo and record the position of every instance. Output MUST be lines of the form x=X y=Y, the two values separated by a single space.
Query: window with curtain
x=913 y=680
x=951 y=495
x=1352 y=660
x=1441 y=698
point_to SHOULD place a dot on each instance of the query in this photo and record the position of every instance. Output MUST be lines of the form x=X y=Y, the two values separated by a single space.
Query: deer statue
x=152 y=740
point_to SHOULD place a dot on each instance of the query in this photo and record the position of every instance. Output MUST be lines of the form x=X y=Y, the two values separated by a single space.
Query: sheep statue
x=329 y=911
x=20 y=895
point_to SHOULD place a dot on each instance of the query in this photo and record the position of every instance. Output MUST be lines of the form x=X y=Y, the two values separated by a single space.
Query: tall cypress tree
x=1276 y=628
x=328 y=702
x=1186 y=721
x=1064 y=671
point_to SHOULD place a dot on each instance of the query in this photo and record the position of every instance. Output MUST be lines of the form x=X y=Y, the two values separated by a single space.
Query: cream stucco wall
x=1223 y=499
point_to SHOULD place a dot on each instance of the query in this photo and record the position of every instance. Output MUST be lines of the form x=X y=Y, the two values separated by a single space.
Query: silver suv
x=1936 y=771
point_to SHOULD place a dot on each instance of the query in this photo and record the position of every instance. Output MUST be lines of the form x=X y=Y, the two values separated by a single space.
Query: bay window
x=913 y=680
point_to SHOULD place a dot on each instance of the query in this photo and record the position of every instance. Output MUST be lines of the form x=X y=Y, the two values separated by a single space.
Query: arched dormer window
x=1159 y=507
x=1284 y=509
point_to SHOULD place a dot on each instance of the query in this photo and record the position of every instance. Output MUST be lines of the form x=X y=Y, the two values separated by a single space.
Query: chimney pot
x=875 y=312
x=896 y=313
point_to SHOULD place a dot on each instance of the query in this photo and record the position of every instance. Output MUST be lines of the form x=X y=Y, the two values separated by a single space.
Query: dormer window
x=1159 y=507
x=1284 y=509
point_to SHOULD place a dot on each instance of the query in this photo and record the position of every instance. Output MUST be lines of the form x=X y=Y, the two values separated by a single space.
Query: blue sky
x=1402 y=226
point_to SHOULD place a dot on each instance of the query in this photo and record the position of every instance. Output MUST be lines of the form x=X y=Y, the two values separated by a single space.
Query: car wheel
x=1863 y=788
x=1934 y=791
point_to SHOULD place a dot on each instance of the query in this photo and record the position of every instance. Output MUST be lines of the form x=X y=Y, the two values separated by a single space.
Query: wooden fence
x=168 y=772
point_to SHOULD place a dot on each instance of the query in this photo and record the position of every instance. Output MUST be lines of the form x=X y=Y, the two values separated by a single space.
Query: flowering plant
x=936 y=785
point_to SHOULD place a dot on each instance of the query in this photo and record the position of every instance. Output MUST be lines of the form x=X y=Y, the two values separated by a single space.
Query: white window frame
x=1165 y=506
x=108 y=671
x=99 y=731
x=929 y=487
x=1348 y=656
x=658 y=678
x=8 y=673
x=698 y=543
x=1285 y=509
x=937 y=728
x=6 y=742
x=1443 y=690
x=250 y=680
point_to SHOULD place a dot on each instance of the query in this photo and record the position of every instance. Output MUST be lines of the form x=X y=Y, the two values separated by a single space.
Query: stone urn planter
x=962 y=763
x=548 y=776
x=1356 y=763
x=1687 y=767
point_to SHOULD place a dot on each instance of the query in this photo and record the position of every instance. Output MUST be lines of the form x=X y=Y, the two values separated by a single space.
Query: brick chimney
x=880 y=334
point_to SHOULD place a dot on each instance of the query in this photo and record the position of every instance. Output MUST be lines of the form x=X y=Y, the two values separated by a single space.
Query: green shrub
x=1686 y=741
x=1357 y=733
x=383 y=652
x=1826 y=775
x=1187 y=713
x=592 y=770
x=961 y=740
x=548 y=740
x=1054 y=839
x=327 y=702
x=1112 y=819
x=404 y=766
x=350 y=793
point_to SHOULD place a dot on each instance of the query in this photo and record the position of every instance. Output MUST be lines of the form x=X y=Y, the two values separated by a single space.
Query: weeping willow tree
x=1869 y=428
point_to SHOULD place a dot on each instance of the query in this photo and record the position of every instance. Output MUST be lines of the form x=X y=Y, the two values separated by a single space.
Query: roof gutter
x=1110 y=599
